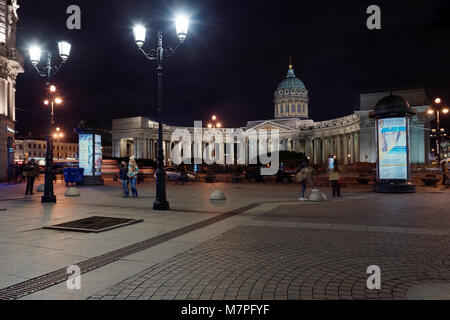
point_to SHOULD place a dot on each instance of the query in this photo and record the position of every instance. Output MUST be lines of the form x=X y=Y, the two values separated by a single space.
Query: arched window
x=292 y=108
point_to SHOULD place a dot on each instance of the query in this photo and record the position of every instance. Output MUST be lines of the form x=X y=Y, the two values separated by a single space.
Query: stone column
x=357 y=148
x=4 y=97
x=352 y=148
x=338 y=148
x=345 y=149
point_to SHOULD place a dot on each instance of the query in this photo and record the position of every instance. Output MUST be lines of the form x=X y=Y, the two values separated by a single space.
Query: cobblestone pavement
x=251 y=262
x=312 y=251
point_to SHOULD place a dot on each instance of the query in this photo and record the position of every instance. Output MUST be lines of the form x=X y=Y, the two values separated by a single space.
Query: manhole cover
x=94 y=224
x=429 y=291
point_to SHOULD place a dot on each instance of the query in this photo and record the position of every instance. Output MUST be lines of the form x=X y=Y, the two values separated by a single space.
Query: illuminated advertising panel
x=98 y=155
x=85 y=153
x=331 y=163
x=392 y=149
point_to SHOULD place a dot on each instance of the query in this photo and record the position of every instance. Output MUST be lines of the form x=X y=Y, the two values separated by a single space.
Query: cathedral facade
x=11 y=64
x=350 y=139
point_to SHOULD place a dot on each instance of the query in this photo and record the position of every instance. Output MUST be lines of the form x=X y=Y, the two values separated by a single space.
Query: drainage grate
x=50 y=279
x=94 y=224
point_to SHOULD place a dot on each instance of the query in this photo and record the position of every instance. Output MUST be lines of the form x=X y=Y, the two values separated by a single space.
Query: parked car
x=286 y=176
x=173 y=174
x=253 y=174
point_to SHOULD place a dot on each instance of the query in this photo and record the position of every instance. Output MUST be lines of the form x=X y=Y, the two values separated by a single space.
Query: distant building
x=350 y=139
x=37 y=149
x=11 y=64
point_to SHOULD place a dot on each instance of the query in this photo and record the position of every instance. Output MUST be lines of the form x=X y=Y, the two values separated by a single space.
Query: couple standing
x=128 y=175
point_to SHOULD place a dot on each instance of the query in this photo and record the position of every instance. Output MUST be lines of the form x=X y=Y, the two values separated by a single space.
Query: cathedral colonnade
x=345 y=147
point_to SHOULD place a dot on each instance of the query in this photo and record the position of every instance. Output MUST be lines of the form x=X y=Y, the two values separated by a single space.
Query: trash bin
x=73 y=175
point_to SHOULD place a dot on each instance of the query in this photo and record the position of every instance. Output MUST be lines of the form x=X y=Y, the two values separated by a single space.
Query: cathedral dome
x=291 y=97
x=291 y=81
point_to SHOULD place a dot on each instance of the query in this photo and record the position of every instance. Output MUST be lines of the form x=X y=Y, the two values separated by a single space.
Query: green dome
x=291 y=81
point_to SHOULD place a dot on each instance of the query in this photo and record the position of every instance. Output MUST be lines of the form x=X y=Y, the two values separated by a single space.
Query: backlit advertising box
x=393 y=148
x=86 y=153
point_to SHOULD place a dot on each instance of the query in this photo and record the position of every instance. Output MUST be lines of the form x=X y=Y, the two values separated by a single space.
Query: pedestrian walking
x=304 y=176
x=123 y=176
x=444 y=172
x=32 y=172
x=133 y=171
x=182 y=176
x=334 y=176
x=22 y=169
x=17 y=173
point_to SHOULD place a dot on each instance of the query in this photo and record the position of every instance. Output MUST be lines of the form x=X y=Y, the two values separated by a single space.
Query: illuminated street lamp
x=48 y=72
x=214 y=123
x=438 y=109
x=158 y=54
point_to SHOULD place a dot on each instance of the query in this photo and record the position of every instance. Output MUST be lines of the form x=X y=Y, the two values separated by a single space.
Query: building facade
x=11 y=64
x=350 y=139
x=37 y=149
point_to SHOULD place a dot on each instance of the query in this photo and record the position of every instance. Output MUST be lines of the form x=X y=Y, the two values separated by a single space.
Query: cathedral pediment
x=270 y=125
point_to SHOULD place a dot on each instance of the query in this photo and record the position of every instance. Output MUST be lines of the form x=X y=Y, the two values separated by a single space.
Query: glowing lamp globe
x=182 y=25
x=139 y=32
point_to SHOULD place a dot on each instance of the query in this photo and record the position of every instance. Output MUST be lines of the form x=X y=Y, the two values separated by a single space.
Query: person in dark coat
x=32 y=172
x=123 y=176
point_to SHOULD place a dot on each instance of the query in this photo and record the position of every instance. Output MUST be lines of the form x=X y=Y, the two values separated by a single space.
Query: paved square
x=260 y=244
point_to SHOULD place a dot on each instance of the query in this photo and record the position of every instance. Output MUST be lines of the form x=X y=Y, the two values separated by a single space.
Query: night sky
x=235 y=55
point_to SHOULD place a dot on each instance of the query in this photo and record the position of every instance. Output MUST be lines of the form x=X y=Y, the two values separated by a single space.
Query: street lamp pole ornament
x=48 y=73
x=158 y=55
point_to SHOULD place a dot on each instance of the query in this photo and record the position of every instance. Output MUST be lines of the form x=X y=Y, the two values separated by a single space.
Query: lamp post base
x=161 y=205
x=394 y=187
x=48 y=199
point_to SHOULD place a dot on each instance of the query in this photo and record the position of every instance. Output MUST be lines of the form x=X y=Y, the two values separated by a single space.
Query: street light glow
x=219 y=125
x=209 y=125
x=52 y=88
x=46 y=102
x=437 y=100
x=445 y=110
x=214 y=118
x=430 y=111
x=182 y=25
x=35 y=55
x=64 y=50
x=58 y=100
x=139 y=32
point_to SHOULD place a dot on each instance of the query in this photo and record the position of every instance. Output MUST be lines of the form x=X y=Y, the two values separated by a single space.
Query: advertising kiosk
x=90 y=153
x=391 y=115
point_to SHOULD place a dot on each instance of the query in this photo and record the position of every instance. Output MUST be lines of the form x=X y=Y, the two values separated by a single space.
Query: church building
x=350 y=139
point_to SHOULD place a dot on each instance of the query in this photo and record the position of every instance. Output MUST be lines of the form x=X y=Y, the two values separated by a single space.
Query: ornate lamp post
x=158 y=55
x=48 y=74
x=437 y=108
